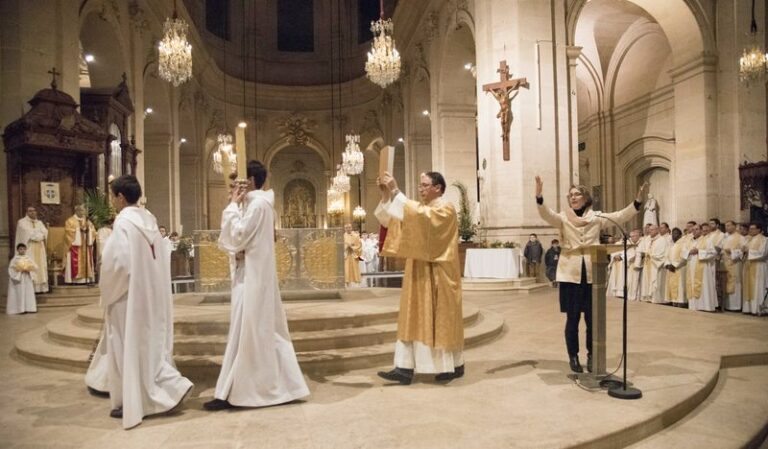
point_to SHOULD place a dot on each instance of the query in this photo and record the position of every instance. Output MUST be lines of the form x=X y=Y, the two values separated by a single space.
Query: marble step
x=518 y=285
x=217 y=322
x=67 y=331
x=734 y=415
x=69 y=296
x=37 y=347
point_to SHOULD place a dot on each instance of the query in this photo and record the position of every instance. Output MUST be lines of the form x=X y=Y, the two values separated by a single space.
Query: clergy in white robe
x=733 y=250
x=33 y=233
x=21 y=288
x=755 y=272
x=430 y=328
x=135 y=289
x=372 y=249
x=676 y=265
x=654 y=274
x=702 y=291
x=615 y=284
x=635 y=271
x=637 y=264
x=260 y=367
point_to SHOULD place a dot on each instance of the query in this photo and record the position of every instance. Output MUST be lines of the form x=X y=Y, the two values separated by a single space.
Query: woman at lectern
x=579 y=227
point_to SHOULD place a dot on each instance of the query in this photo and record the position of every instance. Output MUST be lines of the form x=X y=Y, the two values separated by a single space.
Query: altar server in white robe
x=733 y=250
x=259 y=366
x=21 y=288
x=675 y=265
x=755 y=272
x=33 y=233
x=638 y=263
x=654 y=274
x=702 y=293
x=135 y=289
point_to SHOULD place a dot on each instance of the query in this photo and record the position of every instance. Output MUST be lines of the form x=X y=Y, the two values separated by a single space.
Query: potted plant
x=467 y=227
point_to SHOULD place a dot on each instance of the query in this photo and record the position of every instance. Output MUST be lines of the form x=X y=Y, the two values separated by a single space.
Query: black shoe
x=589 y=362
x=116 y=413
x=402 y=375
x=447 y=377
x=217 y=404
x=575 y=365
x=99 y=393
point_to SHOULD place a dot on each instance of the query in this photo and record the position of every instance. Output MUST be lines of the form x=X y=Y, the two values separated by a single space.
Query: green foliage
x=467 y=227
x=100 y=211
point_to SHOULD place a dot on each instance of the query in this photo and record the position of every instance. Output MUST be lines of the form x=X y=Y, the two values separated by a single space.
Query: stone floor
x=518 y=392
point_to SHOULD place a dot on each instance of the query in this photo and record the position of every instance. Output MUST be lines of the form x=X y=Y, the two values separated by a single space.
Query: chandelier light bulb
x=341 y=181
x=175 y=52
x=383 y=64
x=359 y=213
x=335 y=202
x=89 y=58
x=353 y=159
x=148 y=111
x=425 y=113
x=224 y=147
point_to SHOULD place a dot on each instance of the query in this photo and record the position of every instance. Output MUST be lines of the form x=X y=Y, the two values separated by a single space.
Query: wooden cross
x=54 y=73
x=505 y=91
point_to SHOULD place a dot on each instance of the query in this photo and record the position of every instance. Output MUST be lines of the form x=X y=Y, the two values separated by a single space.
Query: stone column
x=697 y=179
x=27 y=55
x=573 y=52
x=530 y=36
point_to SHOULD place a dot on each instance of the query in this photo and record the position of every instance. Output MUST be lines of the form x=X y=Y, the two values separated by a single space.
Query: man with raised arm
x=430 y=327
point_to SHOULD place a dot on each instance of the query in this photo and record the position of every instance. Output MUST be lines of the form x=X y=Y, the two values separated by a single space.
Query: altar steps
x=327 y=337
x=69 y=295
x=516 y=285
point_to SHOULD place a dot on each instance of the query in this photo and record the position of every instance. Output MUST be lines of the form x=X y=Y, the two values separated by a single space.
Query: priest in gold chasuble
x=430 y=328
x=353 y=248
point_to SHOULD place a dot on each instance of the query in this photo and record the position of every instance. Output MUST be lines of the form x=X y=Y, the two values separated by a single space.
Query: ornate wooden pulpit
x=52 y=154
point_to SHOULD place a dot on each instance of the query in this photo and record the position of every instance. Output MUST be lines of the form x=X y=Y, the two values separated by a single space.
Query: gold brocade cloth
x=353 y=248
x=430 y=305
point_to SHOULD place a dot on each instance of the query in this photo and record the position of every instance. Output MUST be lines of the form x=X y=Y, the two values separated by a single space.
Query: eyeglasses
x=425 y=186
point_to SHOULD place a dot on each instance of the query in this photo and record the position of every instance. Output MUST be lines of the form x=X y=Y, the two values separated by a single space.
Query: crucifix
x=54 y=73
x=505 y=91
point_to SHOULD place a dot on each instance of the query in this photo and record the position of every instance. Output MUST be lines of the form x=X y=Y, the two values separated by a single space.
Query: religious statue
x=651 y=206
x=353 y=247
x=80 y=236
x=33 y=233
x=504 y=92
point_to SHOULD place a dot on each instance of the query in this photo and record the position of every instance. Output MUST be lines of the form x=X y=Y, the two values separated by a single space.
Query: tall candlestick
x=240 y=151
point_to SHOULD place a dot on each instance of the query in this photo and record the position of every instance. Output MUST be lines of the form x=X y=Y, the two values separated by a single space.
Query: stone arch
x=100 y=35
x=454 y=112
x=311 y=143
x=641 y=157
x=684 y=23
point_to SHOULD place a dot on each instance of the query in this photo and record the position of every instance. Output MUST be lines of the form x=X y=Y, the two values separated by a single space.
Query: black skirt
x=576 y=298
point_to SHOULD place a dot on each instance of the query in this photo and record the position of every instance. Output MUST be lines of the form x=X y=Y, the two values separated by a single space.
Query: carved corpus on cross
x=505 y=91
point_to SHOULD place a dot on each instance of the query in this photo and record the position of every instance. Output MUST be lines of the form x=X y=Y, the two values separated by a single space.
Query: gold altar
x=307 y=259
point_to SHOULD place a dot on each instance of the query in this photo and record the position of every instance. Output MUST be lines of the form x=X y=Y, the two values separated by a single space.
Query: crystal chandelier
x=383 y=65
x=353 y=160
x=341 y=181
x=175 y=52
x=335 y=202
x=753 y=63
x=359 y=213
x=224 y=149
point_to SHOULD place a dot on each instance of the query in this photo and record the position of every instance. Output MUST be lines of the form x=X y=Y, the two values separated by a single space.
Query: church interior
x=609 y=94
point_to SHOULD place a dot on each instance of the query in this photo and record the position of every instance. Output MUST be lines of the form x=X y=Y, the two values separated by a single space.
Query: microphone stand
x=620 y=390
